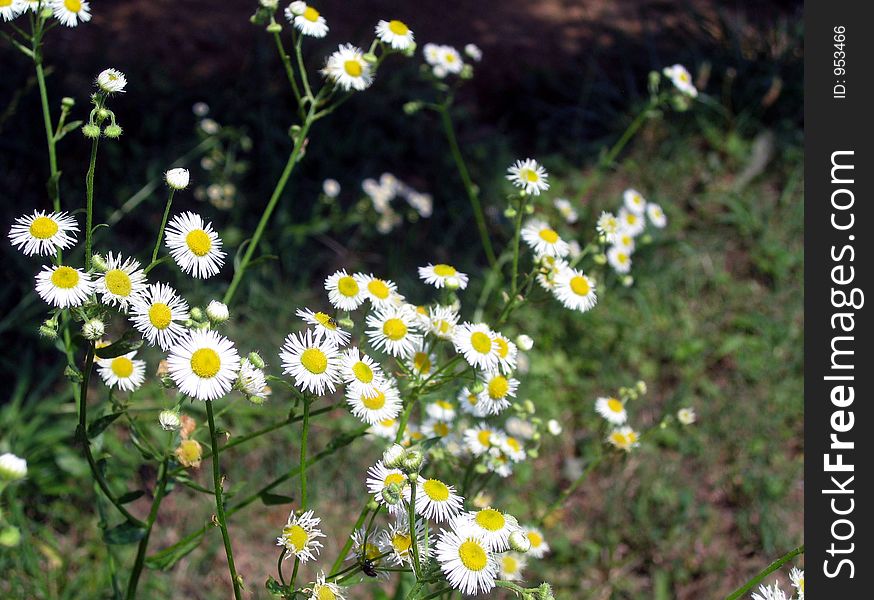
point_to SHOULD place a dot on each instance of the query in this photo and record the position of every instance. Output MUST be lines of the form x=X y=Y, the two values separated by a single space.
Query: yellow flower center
x=548 y=235
x=205 y=362
x=436 y=490
x=498 y=387
x=371 y=552
x=378 y=288
x=619 y=438
x=441 y=429
x=325 y=593
x=444 y=404
x=122 y=367
x=398 y=27
x=472 y=399
x=189 y=452
x=352 y=68
x=442 y=270
x=347 y=286
x=535 y=538
x=160 y=315
x=529 y=175
x=65 y=278
x=117 y=282
x=490 y=519
x=362 y=372
x=387 y=422
x=73 y=5
x=5 y=3
x=314 y=360
x=311 y=14
x=394 y=329
x=42 y=227
x=631 y=218
x=510 y=564
x=614 y=405
x=395 y=478
x=580 y=285
x=472 y=556
x=198 y=242
x=443 y=326
x=503 y=347
x=684 y=77
x=481 y=342
x=484 y=437
x=296 y=536
x=622 y=257
x=325 y=321
x=514 y=444
x=401 y=542
x=422 y=363
x=375 y=402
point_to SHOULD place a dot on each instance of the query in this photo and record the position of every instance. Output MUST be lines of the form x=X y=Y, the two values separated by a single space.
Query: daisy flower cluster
x=622 y=230
x=775 y=592
x=444 y=61
x=67 y=12
x=614 y=411
x=381 y=192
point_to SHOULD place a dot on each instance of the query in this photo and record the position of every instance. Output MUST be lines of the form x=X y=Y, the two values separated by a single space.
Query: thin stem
x=469 y=186
x=289 y=71
x=516 y=233
x=414 y=542
x=741 y=591
x=279 y=564
x=163 y=225
x=348 y=545
x=303 y=453
x=298 y=40
x=89 y=201
x=54 y=188
x=219 y=503
x=144 y=542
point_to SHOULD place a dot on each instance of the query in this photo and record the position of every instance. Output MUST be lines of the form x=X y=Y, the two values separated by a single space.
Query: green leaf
x=168 y=557
x=275 y=499
x=126 y=344
x=130 y=496
x=98 y=425
x=72 y=126
x=126 y=533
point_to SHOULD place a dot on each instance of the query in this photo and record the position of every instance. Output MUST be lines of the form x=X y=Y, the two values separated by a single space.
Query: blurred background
x=714 y=319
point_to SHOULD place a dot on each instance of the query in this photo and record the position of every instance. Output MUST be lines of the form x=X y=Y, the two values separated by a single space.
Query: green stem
x=289 y=71
x=144 y=542
x=54 y=189
x=469 y=186
x=89 y=201
x=163 y=225
x=219 y=503
x=414 y=543
x=516 y=234
x=741 y=591
x=303 y=453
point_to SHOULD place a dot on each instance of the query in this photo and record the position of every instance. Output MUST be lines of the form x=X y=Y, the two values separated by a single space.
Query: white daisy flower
x=394 y=331
x=43 y=233
x=543 y=239
x=431 y=52
x=507 y=353
x=469 y=403
x=497 y=392
x=396 y=540
x=550 y=268
x=611 y=409
x=608 y=226
x=625 y=438
x=386 y=430
x=492 y=526
x=300 y=536
x=634 y=201
x=422 y=361
x=631 y=222
x=194 y=245
x=12 y=468
x=63 y=286
x=308 y=22
x=441 y=410
x=380 y=292
x=681 y=79
x=625 y=241
x=324 y=326
x=71 y=12
x=441 y=275
x=769 y=593
x=575 y=290
x=395 y=33
x=473 y=51
x=122 y=372
x=477 y=343
x=383 y=402
x=379 y=477
x=122 y=282
x=313 y=361
x=619 y=259
x=539 y=547
x=656 y=215
x=331 y=188
x=177 y=179
x=360 y=372
x=686 y=416
x=512 y=448
x=466 y=561
x=529 y=175
x=111 y=81
x=442 y=321
x=323 y=590
x=364 y=546
x=204 y=365
x=436 y=500
x=796 y=577
x=566 y=210
x=481 y=439
x=158 y=313
x=511 y=565
x=434 y=428
x=344 y=291
x=9 y=9
x=251 y=380
x=347 y=69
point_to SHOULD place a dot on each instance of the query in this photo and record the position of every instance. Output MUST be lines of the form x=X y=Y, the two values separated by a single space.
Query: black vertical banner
x=839 y=258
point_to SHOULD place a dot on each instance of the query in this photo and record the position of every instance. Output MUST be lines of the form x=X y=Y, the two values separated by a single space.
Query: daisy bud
x=67 y=102
x=111 y=81
x=169 y=420
x=189 y=453
x=628 y=281
x=103 y=114
x=196 y=314
x=49 y=329
x=256 y=400
x=217 y=312
x=601 y=259
x=10 y=537
x=331 y=188
x=391 y=494
x=12 y=468
x=73 y=374
x=524 y=342
x=477 y=387
x=554 y=427
x=686 y=416
x=510 y=212
x=99 y=263
x=466 y=72
x=91 y=131
x=452 y=283
x=112 y=131
x=297 y=7
x=641 y=387
x=93 y=329
x=274 y=27
x=519 y=542
x=167 y=382
x=270 y=4
x=529 y=407
x=370 y=57
x=393 y=456
x=412 y=461
x=177 y=179
x=544 y=592
x=256 y=360
x=411 y=108
x=346 y=322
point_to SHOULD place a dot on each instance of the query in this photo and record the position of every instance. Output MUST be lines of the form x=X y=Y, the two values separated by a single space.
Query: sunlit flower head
x=443 y=275
x=365 y=546
x=380 y=292
x=625 y=241
x=476 y=341
x=449 y=59
x=324 y=590
x=511 y=566
x=360 y=372
x=177 y=179
x=308 y=21
x=324 y=325
x=63 y=286
x=625 y=438
x=204 y=364
x=612 y=409
x=422 y=361
x=436 y=428
x=492 y=526
x=380 y=477
x=442 y=410
x=313 y=362
x=394 y=331
x=300 y=536
x=528 y=175
x=631 y=222
x=347 y=69
x=395 y=33
x=507 y=353
x=575 y=290
x=344 y=291
x=381 y=402
x=608 y=226
x=9 y=9
x=539 y=547
x=566 y=209
x=189 y=453
x=681 y=79
x=387 y=429
x=122 y=282
x=481 y=439
x=431 y=52
x=442 y=321
x=796 y=577
x=436 y=500
x=511 y=447
x=194 y=245
x=497 y=391
x=686 y=416
x=550 y=268
x=619 y=259
x=473 y=51
x=158 y=313
x=252 y=381
x=469 y=403
x=123 y=372
x=70 y=12
x=396 y=540
x=656 y=215
x=466 y=561
x=43 y=233
x=111 y=81
x=543 y=239
x=634 y=201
